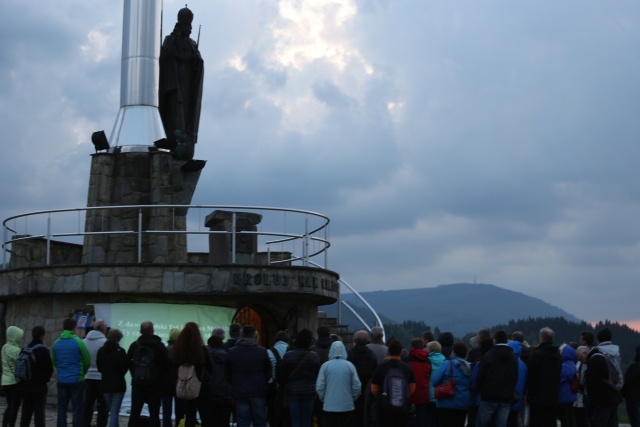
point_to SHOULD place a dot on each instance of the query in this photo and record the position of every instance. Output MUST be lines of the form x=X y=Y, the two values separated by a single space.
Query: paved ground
x=51 y=415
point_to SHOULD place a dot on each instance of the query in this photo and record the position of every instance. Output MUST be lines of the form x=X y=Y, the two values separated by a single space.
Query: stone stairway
x=340 y=330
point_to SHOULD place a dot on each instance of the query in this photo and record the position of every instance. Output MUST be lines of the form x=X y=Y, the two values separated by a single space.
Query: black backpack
x=395 y=390
x=25 y=363
x=143 y=372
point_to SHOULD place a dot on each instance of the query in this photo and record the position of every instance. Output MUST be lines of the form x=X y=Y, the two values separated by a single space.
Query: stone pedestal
x=221 y=245
x=138 y=178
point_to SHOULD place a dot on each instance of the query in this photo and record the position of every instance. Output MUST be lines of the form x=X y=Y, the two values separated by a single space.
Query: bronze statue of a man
x=181 y=75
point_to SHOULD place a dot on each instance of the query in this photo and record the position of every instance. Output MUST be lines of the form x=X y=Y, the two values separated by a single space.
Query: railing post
x=326 y=250
x=5 y=236
x=140 y=236
x=233 y=238
x=48 y=254
x=305 y=248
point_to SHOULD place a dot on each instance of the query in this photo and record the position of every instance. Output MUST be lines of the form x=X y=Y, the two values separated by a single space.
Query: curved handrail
x=361 y=298
x=306 y=235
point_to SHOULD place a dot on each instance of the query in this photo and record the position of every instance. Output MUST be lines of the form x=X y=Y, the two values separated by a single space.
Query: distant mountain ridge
x=459 y=308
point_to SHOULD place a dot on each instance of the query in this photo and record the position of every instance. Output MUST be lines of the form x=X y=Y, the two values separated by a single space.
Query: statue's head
x=185 y=16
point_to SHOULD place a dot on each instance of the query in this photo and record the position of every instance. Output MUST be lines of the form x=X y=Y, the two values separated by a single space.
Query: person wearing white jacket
x=338 y=387
x=94 y=340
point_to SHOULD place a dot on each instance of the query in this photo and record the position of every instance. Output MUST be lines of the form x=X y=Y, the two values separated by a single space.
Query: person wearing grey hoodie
x=94 y=340
x=338 y=387
x=603 y=398
x=10 y=352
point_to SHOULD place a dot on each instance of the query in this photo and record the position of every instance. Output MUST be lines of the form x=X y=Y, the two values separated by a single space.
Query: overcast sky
x=495 y=141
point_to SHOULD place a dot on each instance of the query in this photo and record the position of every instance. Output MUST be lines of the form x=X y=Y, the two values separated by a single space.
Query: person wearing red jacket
x=418 y=359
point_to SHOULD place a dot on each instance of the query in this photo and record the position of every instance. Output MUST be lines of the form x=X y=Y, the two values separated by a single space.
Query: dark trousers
x=32 y=406
x=337 y=419
x=192 y=408
x=450 y=417
x=543 y=415
x=13 y=404
x=141 y=395
x=566 y=415
x=93 y=394
x=220 y=413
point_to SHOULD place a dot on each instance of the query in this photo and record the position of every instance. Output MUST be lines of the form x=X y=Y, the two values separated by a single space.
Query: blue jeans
x=73 y=392
x=113 y=402
x=492 y=414
x=301 y=409
x=251 y=409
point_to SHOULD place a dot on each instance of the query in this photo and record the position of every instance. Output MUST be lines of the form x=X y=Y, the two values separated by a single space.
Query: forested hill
x=565 y=332
x=459 y=308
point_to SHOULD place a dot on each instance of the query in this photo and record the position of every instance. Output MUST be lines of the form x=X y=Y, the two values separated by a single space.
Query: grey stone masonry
x=137 y=178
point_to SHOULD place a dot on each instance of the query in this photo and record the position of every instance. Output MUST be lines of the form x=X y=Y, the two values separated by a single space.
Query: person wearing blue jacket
x=515 y=418
x=567 y=396
x=72 y=360
x=338 y=386
x=453 y=411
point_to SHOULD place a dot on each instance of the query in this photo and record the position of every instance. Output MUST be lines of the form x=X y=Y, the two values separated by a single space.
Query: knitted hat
x=173 y=334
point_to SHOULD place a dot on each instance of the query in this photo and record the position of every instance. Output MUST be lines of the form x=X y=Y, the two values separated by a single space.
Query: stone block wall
x=137 y=178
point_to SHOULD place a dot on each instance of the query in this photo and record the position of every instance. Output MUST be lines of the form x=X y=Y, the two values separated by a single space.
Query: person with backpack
x=10 y=352
x=191 y=358
x=72 y=360
x=338 y=387
x=604 y=381
x=219 y=388
x=276 y=353
x=149 y=363
x=33 y=390
x=393 y=382
x=112 y=362
x=94 y=340
x=296 y=376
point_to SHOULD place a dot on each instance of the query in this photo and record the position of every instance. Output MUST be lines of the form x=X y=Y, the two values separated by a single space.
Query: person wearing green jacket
x=72 y=360
x=10 y=352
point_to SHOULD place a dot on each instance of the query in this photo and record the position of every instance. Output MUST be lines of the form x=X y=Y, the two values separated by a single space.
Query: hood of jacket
x=94 y=335
x=419 y=353
x=568 y=354
x=608 y=348
x=65 y=335
x=337 y=350
x=516 y=346
x=14 y=335
x=464 y=366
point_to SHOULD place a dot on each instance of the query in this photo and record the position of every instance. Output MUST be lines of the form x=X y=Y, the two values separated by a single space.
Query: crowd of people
x=301 y=381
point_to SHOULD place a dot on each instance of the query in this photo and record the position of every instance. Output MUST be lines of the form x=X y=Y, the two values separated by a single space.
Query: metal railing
x=288 y=230
x=297 y=231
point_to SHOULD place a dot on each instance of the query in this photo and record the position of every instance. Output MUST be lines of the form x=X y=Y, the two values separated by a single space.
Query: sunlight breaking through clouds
x=312 y=30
